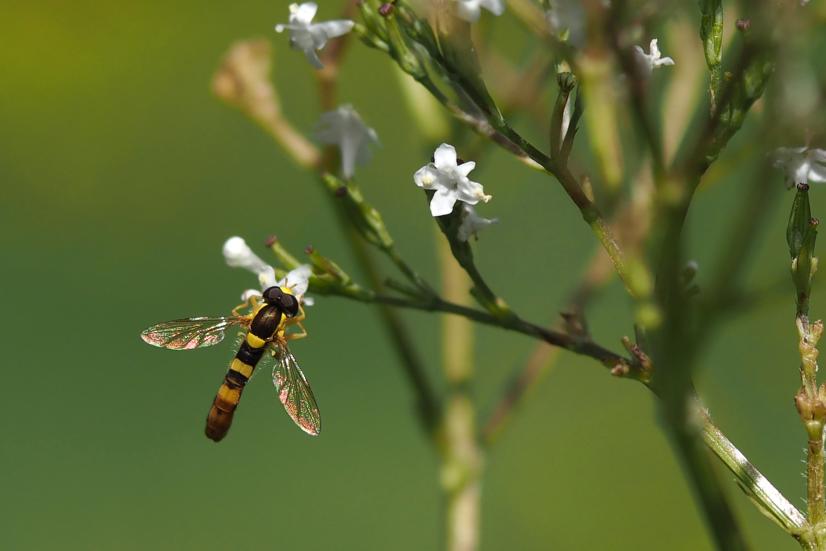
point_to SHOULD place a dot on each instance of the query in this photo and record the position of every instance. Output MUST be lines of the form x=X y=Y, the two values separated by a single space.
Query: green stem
x=584 y=347
x=408 y=271
x=752 y=481
x=462 y=459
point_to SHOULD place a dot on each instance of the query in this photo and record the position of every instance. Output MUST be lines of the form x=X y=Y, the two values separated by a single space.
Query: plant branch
x=751 y=481
x=462 y=459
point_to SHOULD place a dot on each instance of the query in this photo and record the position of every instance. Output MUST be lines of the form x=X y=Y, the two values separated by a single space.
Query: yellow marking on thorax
x=241 y=367
x=255 y=341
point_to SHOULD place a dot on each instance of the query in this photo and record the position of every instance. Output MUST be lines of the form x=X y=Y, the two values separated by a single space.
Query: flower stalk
x=462 y=460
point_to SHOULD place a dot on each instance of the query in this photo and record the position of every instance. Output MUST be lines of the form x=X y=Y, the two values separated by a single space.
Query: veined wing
x=294 y=391
x=189 y=333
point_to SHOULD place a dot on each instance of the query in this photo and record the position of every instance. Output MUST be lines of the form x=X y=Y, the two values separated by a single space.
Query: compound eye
x=290 y=304
x=273 y=295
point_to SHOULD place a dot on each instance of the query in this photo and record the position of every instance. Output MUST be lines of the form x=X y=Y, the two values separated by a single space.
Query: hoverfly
x=269 y=316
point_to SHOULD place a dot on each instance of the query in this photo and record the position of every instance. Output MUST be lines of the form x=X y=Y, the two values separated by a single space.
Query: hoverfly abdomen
x=263 y=327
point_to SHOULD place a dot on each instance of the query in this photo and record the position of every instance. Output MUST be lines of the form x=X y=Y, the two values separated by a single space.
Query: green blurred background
x=121 y=176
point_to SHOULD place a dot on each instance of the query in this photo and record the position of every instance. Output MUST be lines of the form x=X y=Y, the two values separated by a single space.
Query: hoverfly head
x=272 y=295
x=289 y=304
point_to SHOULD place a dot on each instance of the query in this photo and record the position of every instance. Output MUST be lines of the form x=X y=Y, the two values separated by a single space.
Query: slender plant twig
x=462 y=463
x=756 y=486
x=584 y=347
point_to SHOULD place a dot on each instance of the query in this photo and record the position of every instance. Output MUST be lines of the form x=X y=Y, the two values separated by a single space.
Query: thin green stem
x=812 y=409
x=752 y=481
x=408 y=271
x=462 y=458
x=584 y=347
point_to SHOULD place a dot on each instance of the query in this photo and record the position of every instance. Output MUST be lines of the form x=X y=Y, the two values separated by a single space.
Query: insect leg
x=296 y=336
x=250 y=303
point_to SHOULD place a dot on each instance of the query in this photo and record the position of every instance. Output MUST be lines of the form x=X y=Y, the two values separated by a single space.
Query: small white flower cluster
x=801 y=165
x=472 y=223
x=310 y=37
x=344 y=128
x=653 y=60
x=238 y=254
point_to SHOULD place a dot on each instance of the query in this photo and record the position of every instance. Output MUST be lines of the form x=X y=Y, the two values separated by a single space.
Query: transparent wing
x=189 y=333
x=294 y=391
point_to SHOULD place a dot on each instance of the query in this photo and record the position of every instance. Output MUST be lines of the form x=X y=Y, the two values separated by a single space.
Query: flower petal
x=472 y=223
x=654 y=50
x=444 y=157
x=333 y=29
x=496 y=7
x=349 y=147
x=427 y=177
x=298 y=280
x=468 y=10
x=818 y=155
x=465 y=168
x=312 y=57
x=303 y=13
x=817 y=173
x=249 y=293
x=471 y=192
x=442 y=202
x=801 y=171
x=238 y=254
x=266 y=277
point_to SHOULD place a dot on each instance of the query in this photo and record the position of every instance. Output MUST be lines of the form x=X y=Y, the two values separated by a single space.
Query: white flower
x=344 y=127
x=238 y=254
x=449 y=181
x=801 y=164
x=297 y=281
x=472 y=223
x=651 y=61
x=308 y=36
x=470 y=10
x=249 y=293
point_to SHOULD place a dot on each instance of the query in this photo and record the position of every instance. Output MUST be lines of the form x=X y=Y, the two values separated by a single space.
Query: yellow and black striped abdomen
x=263 y=326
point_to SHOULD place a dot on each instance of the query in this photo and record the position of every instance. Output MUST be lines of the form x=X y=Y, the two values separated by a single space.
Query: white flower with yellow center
x=310 y=37
x=450 y=181
x=238 y=254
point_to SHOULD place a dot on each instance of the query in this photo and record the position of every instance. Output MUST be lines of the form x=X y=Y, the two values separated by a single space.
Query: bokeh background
x=121 y=176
